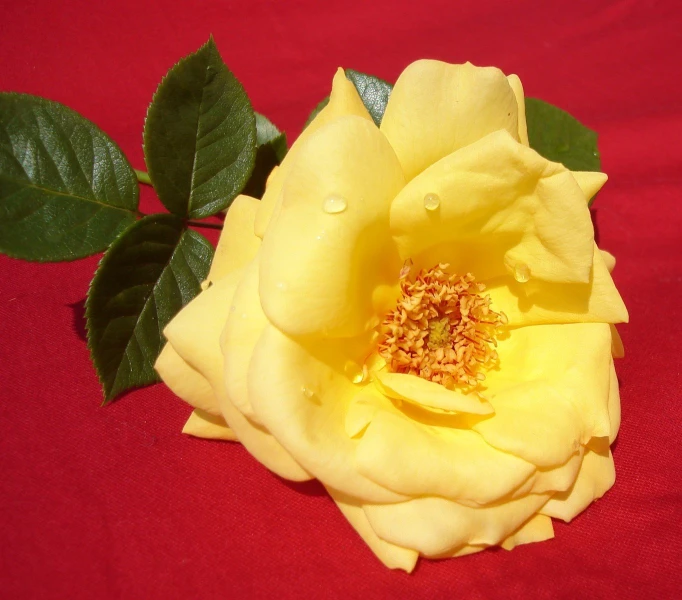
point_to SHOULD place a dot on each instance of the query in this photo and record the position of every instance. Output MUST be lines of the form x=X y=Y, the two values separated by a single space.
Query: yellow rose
x=346 y=336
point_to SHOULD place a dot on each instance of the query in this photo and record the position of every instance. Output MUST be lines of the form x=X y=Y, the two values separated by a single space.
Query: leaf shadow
x=78 y=319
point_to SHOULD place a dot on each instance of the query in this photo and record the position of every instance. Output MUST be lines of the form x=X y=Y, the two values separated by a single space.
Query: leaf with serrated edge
x=199 y=136
x=374 y=92
x=66 y=189
x=148 y=274
x=272 y=148
x=560 y=137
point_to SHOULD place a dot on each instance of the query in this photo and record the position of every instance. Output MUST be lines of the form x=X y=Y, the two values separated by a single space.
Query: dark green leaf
x=373 y=91
x=199 y=136
x=66 y=189
x=148 y=274
x=268 y=134
x=559 y=137
x=272 y=148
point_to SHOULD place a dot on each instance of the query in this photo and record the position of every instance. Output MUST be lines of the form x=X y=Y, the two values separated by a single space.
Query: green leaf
x=373 y=91
x=66 y=189
x=148 y=274
x=559 y=137
x=199 y=136
x=272 y=148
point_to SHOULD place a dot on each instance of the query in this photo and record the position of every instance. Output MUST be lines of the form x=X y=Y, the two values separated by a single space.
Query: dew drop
x=355 y=372
x=521 y=272
x=307 y=392
x=280 y=285
x=233 y=308
x=334 y=205
x=431 y=201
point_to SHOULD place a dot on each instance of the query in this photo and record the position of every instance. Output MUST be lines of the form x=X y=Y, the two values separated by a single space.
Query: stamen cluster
x=442 y=329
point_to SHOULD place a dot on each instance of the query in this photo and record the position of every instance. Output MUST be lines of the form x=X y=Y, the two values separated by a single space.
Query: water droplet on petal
x=233 y=308
x=521 y=272
x=334 y=204
x=431 y=201
x=281 y=285
x=307 y=392
x=355 y=372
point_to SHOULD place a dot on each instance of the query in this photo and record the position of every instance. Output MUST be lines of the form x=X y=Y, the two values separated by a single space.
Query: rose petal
x=319 y=267
x=429 y=395
x=205 y=425
x=536 y=302
x=550 y=393
x=195 y=333
x=436 y=108
x=590 y=182
x=613 y=404
x=502 y=207
x=438 y=527
x=517 y=88
x=195 y=330
x=244 y=326
x=596 y=476
x=302 y=399
x=184 y=381
x=394 y=557
x=237 y=244
x=414 y=459
x=537 y=529
x=343 y=101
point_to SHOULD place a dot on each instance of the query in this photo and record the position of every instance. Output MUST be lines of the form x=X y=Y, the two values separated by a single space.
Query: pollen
x=443 y=329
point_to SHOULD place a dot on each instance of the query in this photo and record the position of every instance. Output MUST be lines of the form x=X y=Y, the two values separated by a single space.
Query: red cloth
x=116 y=503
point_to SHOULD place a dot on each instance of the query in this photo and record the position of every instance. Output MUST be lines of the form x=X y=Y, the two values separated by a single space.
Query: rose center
x=442 y=328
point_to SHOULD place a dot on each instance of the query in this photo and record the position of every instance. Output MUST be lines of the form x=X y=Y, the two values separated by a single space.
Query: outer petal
x=245 y=324
x=537 y=302
x=517 y=88
x=502 y=206
x=613 y=404
x=596 y=477
x=418 y=460
x=320 y=270
x=303 y=399
x=205 y=425
x=394 y=557
x=237 y=244
x=537 y=529
x=184 y=381
x=437 y=527
x=195 y=330
x=590 y=182
x=195 y=333
x=344 y=101
x=551 y=391
x=436 y=108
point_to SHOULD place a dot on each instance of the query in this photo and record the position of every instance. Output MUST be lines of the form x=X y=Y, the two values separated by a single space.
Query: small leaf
x=199 y=136
x=148 y=274
x=373 y=91
x=272 y=148
x=267 y=134
x=559 y=137
x=66 y=189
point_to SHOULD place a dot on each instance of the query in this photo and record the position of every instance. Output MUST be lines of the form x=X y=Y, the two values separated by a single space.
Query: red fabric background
x=116 y=503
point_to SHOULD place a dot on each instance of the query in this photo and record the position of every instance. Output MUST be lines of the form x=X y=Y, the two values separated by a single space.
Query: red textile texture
x=116 y=503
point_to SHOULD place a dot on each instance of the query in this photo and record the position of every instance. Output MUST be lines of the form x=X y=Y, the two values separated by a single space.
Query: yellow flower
x=418 y=316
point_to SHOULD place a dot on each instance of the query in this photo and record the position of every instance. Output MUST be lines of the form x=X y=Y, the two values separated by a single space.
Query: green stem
x=207 y=225
x=143 y=177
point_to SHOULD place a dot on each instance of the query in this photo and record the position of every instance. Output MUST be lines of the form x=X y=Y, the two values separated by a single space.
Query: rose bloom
x=416 y=315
